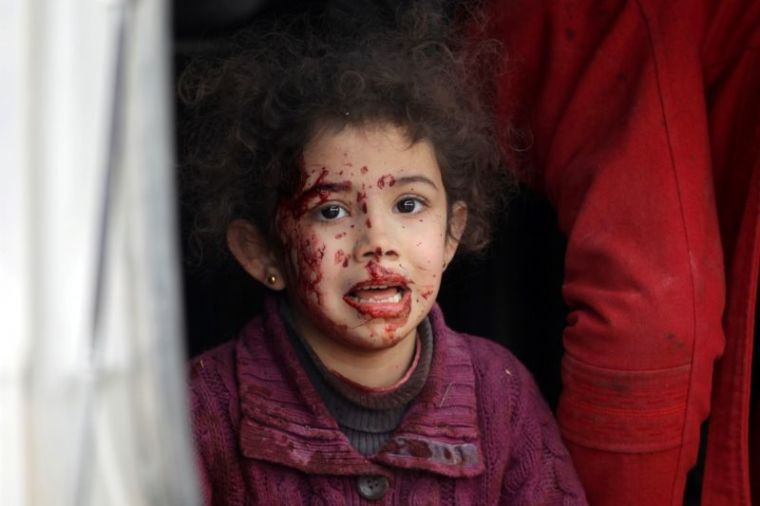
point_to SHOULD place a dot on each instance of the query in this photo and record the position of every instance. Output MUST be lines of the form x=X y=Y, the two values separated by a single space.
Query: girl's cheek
x=308 y=257
x=306 y=252
x=340 y=243
x=341 y=258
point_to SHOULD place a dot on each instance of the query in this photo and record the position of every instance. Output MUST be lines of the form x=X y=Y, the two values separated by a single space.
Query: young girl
x=344 y=169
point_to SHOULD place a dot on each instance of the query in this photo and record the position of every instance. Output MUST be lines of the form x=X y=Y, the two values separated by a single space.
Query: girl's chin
x=360 y=331
x=375 y=336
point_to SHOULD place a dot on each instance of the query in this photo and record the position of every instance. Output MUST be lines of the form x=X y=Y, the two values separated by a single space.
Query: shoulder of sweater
x=504 y=383
x=216 y=361
x=221 y=358
x=489 y=357
x=212 y=378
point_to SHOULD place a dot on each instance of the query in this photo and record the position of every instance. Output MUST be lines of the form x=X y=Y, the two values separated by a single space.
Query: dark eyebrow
x=416 y=179
x=343 y=186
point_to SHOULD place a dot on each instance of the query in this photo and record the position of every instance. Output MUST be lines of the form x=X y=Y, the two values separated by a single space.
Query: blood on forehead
x=304 y=198
x=294 y=206
x=386 y=179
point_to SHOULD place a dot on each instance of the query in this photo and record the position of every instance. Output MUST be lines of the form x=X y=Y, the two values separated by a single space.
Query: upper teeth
x=396 y=297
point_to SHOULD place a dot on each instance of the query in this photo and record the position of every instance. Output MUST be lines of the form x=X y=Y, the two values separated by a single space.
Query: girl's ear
x=457 y=224
x=254 y=254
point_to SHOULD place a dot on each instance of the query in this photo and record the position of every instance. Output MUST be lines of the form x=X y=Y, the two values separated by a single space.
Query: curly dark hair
x=251 y=113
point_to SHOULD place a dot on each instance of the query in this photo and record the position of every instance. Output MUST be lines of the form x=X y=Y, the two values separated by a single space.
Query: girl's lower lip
x=385 y=310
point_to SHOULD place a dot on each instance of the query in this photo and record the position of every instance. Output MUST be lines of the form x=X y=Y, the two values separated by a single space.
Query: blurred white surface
x=92 y=390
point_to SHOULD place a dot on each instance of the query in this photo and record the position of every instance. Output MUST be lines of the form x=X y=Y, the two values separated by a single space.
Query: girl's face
x=366 y=237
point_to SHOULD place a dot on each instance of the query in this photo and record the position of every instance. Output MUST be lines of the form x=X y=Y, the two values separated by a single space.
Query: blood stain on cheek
x=426 y=294
x=340 y=236
x=364 y=169
x=368 y=222
x=386 y=179
x=309 y=257
x=340 y=257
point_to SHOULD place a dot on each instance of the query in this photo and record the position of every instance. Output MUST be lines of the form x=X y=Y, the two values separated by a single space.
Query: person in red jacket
x=645 y=124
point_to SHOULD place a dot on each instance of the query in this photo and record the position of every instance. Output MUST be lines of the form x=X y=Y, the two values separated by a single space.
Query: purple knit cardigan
x=479 y=433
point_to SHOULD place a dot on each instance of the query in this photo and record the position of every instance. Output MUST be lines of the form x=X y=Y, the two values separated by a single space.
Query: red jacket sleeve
x=613 y=96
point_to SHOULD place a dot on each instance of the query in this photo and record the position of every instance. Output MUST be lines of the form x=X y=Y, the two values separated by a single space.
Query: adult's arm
x=613 y=94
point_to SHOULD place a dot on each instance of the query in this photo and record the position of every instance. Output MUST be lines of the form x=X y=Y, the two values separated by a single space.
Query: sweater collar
x=393 y=397
x=285 y=421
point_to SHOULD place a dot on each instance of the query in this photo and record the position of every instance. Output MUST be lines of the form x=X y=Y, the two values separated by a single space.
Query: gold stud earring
x=272 y=279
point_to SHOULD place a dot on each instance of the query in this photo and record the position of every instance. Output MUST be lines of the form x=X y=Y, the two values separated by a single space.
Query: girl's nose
x=375 y=241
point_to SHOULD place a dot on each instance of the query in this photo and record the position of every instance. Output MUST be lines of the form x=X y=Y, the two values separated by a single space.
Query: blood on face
x=386 y=179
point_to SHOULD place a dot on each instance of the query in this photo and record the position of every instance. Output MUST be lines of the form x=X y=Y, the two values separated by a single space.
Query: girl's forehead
x=365 y=155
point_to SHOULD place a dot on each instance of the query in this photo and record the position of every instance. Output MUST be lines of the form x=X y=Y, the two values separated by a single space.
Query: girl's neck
x=384 y=389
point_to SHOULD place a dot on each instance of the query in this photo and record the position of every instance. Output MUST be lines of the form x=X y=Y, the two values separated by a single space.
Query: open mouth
x=389 y=298
x=378 y=294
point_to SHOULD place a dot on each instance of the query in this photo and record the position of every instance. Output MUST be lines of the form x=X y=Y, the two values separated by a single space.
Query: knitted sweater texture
x=478 y=433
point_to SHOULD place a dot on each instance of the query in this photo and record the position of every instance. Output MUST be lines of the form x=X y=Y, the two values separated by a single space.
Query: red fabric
x=644 y=124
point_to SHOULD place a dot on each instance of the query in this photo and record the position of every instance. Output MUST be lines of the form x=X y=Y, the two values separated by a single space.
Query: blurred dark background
x=511 y=294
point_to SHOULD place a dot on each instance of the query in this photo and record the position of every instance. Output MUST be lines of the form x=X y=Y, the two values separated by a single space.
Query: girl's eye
x=409 y=205
x=332 y=212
